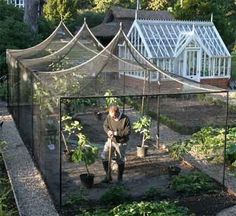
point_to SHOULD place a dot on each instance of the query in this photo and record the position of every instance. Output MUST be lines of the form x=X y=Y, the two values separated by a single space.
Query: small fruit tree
x=143 y=126
x=69 y=127
x=85 y=152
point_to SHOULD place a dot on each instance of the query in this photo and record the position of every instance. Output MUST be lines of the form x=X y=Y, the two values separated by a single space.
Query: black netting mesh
x=176 y=121
x=60 y=36
x=82 y=74
x=80 y=49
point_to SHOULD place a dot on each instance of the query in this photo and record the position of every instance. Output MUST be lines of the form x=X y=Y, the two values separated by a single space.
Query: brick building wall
x=152 y=87
x=168 y=86
x=219 y=82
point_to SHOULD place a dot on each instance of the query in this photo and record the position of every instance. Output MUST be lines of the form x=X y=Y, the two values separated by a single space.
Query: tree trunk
x=31 y=14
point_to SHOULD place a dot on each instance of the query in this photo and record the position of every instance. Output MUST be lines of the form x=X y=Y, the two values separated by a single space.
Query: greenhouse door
x=191 y=64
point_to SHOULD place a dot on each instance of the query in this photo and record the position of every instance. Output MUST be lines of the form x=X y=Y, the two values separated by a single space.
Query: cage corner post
x=60 y=157
x=158 y=123
x=225 y=136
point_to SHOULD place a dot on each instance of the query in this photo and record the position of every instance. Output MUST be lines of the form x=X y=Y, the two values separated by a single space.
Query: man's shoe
x=106 y=180
x=121 y=168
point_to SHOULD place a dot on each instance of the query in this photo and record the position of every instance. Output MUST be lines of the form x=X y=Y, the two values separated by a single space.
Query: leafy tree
x=160 y=4
x=104 y=5
x=93 y=18
x=55 y=10
x=224 y=15
x=14 y=33
x=9 y=10
x=200 y=9
x=85 y=4
x=227 y=25
x=45 y=28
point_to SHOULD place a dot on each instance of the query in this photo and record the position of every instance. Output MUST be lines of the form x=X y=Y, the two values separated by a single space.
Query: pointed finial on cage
x=121 y=26
x=61 y=17
x=211 y=17
x=84 y=19
x=136 y=11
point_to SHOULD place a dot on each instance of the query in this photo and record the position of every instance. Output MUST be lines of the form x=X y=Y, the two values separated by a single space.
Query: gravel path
x=29 y=189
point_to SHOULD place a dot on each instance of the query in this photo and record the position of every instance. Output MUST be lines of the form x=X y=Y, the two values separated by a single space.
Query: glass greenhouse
x=191 y=49
x=83 y=78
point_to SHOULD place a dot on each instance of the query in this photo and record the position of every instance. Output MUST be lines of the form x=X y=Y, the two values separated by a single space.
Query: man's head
x=114 y=112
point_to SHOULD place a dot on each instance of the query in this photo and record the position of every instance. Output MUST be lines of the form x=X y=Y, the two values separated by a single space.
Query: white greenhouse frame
x=17 y=3
x=191 y=49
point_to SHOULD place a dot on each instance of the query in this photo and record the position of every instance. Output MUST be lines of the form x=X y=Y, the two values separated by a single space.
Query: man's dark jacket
x=122 y=127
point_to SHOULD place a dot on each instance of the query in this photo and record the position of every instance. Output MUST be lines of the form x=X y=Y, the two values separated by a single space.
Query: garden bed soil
x=141 y=174
x=208 y=204
x=191 y=115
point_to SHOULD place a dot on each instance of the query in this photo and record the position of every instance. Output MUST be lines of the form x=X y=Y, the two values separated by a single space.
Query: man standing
x=117 y=127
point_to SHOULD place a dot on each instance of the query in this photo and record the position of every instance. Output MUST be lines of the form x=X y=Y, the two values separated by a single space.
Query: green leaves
x=111 y=100
x=160 y=4
x=14 y=33
x=202 y=10
x=149 y=208
x=85 y=151
x=208 y=143
x=231 y=154
x=193 y=184
x=142 y=126
x=71 y=126
x=7 y=10
x=104 y=5
x=55 y=10
x=115 y=195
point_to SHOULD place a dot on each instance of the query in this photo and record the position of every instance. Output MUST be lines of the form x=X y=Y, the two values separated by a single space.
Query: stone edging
x=31 y=194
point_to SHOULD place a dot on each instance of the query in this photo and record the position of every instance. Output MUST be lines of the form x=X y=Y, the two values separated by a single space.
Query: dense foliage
x=14 y=33
x=188 y=10
x=85 y=151
x=115 y=195
x=72 y=12
x=208 y=143
x=143 y=127
x=161 y=4
x=224 y=15
x=193 y=184
x=55 y=10
x=162 y=208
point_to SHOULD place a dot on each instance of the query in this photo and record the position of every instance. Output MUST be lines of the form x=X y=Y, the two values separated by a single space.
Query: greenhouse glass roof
x=165 y=39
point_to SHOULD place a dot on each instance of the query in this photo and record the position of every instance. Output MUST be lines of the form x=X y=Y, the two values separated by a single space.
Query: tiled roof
x=110 y=29
x=111 y=23
x=120 y=12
